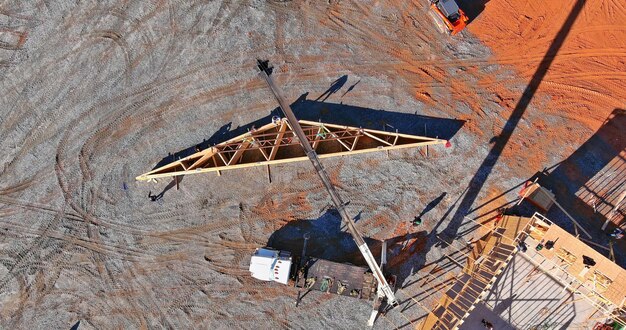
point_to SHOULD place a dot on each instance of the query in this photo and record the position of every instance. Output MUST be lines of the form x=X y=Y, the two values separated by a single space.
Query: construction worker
x=156 y=198
x=617 y=233
x=499 y=216
x=594 y=204
x=487 y=324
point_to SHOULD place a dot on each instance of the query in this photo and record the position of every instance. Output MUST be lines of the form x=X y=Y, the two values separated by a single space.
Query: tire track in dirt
x=83 y=182
x=26 y=256
x=425 y=72
x=613 y=101
x=221 y=19
x=43 y=283
x=109 y=224
x=20 y=186
x=156 y=308
x=20 y=27
x=75 y=51
x=71 y=185
x=186 y=235
x=123 y=252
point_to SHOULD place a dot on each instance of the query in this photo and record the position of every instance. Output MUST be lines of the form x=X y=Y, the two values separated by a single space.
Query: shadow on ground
x=480 y=177
x=340 y=114
x=578 y=172
x=328 y=240
x=594 y=172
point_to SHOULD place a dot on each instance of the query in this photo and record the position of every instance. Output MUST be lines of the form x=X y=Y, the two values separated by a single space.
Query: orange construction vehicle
x=448 y=16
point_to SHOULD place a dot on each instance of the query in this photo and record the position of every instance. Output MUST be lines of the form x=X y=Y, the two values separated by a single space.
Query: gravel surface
x=95 y=93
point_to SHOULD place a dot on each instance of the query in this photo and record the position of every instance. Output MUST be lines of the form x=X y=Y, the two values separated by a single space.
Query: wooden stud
x=279 y=138
x=316 y=139
x=240 y=150
x=338 y=139
x=222 y=158
x=265 y=155
x=356 y=139
x=376 y=138
x=207 y=155
x=615 y=209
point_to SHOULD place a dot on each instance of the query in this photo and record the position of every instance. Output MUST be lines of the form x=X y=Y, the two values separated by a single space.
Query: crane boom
x=334 y=196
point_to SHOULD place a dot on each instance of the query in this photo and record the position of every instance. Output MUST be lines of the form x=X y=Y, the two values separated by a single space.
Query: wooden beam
x=208 y=153
x=267 y=157
x=377 y=138
x=426 y=134
x=454 y=261
x=316 y=140
x=356 y=139
x=242 y=147
x=339 y=140
x=173 y=164
x=222 y=158
x=279 y=139
x=615 y=210
x=391 y=134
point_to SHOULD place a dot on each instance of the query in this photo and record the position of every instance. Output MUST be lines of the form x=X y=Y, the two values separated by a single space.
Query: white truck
x=270 y=265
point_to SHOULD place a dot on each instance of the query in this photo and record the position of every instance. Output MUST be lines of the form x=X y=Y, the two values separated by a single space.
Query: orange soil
x=287 y=207
x=586 y=78
x=585 y=81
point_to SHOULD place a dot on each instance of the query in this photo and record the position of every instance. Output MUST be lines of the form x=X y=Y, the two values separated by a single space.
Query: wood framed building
x=551 y=251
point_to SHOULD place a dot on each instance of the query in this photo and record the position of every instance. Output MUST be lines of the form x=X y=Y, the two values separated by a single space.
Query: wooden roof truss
x=276 y=143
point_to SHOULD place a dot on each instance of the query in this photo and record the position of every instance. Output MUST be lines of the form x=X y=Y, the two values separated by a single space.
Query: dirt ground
x=96 y=93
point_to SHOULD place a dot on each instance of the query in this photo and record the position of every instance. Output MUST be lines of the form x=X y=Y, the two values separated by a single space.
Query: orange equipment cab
x=448 y=16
